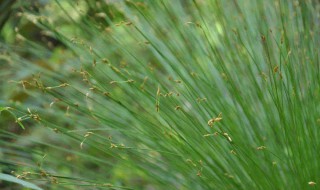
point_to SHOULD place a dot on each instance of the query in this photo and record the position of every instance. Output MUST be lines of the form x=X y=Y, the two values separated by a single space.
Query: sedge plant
x=163 y=94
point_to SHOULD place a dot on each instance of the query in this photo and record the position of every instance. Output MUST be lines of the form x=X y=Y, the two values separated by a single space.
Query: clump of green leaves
x=169 y=94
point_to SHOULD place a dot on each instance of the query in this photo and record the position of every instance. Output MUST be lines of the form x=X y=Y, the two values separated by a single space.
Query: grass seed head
x=199 y=173
x=113 y=145
x=261 y=148
x=311 y=183
x=213 y=120
x=177 y=108
x=88 y=134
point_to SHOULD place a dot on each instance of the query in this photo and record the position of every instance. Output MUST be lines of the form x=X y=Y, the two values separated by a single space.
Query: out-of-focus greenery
x=156 y=94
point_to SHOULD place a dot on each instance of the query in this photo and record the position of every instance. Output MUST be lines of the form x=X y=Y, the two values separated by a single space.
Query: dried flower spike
x=227 y=136
x=312 y=183
x=113 y=145
x=261 y=147
x=213 y=120
x=88 y=134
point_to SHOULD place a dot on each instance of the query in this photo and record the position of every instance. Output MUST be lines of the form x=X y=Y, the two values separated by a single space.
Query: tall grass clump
x=162 y=94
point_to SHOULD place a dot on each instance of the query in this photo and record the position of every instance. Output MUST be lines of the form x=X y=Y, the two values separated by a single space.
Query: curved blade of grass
x=12 y=179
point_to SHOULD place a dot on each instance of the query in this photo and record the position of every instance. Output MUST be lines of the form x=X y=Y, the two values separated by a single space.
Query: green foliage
x=18 y=181
x=163 y=94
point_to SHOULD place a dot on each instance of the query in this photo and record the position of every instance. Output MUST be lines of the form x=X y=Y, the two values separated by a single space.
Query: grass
x=165 y=94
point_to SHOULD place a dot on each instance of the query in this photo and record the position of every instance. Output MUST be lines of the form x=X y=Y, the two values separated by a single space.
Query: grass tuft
x=162 y=94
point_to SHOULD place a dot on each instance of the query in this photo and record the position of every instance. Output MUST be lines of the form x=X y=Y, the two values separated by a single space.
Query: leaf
x=3 y=109
x=13 y=179
x=20 y=124
x=7 y=109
